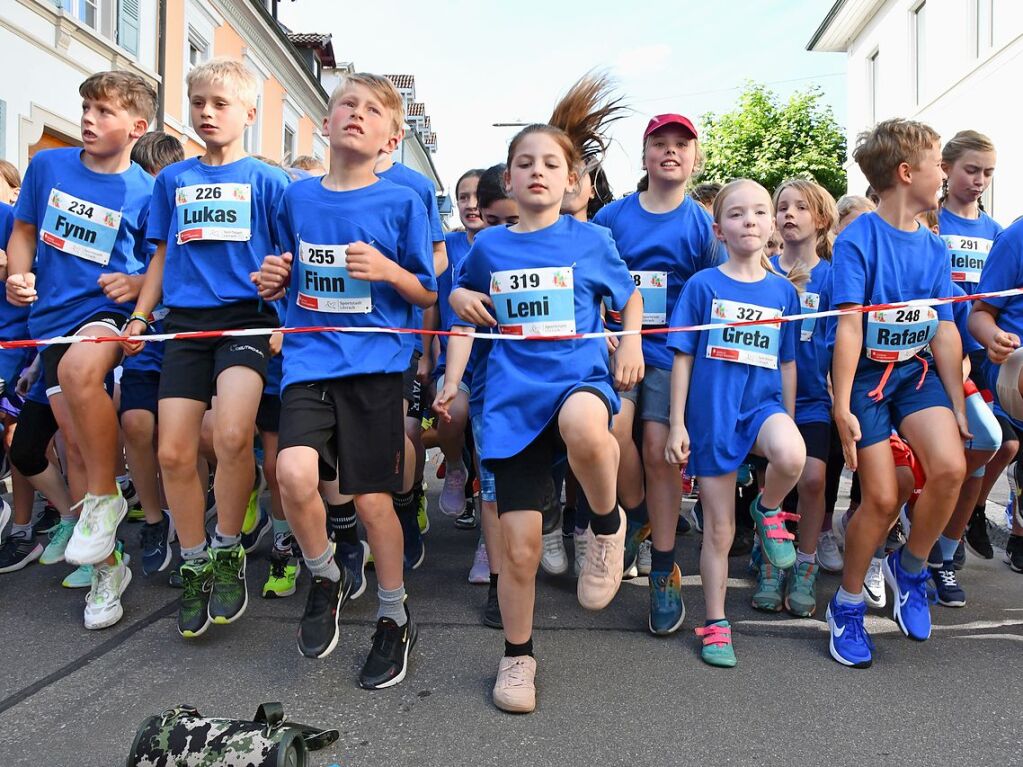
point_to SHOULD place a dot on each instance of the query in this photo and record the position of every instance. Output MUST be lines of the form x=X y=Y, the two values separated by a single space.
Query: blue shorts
x=901 y=398
x=139 y=389
x=652 y=396
x=488 y=488
x=12 y=361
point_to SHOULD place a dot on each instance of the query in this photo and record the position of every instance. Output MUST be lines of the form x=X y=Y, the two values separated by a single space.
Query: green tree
x=768 y=141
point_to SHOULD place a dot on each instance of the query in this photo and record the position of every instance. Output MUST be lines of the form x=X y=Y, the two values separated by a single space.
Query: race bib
x=214 y=212
x=968 y=254
x=653 y=286
x=896 y=335
x=80 y=228
x=750 y=344
x=324 y=284
x=534 y=302
x=809 y=303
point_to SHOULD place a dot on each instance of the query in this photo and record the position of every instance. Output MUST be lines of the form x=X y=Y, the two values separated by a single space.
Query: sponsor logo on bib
x=808 y=304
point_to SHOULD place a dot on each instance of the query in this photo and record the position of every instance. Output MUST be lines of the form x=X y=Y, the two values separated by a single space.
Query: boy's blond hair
x=126 y=89
x=380 y=87
x=230 y=73
x=308 y=162
x=881 y=150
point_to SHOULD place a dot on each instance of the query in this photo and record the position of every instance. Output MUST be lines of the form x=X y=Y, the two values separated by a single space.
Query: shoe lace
x=948 y=577
x=516 y=674
x=481 y=556
x=194 y=582
x=62 y=532
x=552 y=543
x=102 y=590
x=852 y=619
x=385 y=637
x=225 y=567
x=150 y=538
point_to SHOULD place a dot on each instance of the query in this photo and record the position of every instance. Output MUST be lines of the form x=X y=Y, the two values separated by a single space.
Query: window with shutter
x=128 y=25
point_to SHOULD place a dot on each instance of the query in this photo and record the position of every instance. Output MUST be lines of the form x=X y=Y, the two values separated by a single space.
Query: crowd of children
x=529 y=401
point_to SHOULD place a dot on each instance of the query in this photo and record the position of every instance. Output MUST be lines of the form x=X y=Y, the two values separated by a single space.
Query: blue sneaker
x=156 y=550
x=850 y=643
x=667 y=611
x=911 y=606
x=946 y=585
x=354 y=557
x=415 y=549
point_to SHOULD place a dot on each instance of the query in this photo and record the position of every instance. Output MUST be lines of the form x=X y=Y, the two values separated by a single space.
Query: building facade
x=952 y=64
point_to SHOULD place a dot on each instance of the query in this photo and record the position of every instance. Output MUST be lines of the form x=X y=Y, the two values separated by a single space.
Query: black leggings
x=36 y=427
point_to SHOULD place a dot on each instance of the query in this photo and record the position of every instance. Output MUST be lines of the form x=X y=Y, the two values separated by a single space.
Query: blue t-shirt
x=813 y=403
x=1004 y=270
x=219 y=223
x=736 y=381
x=457 y=245
x=969 y=242
x=662 y=250
x=475 y=375
x=13 y=319
x=961 y=316
x=315 y=225
x=89 y=224
x=548 y=282
x=875 y=263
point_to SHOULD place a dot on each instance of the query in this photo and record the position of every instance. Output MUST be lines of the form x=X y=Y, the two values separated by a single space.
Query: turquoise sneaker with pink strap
x=775 y=541
x=717 y=644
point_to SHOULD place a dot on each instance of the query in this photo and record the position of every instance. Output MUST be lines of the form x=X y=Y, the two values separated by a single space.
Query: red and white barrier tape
x=203 y=334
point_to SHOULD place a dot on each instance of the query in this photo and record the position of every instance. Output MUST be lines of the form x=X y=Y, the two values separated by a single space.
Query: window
x=872 y=83
x=198 y=50
x=288 y=152
x=983 y=26
x=919 y=51
x=86 y=11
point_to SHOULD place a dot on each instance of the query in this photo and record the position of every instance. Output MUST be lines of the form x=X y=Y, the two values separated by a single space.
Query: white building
x=953 y=64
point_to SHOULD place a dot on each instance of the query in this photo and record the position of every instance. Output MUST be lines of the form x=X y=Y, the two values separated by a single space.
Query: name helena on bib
x=968 y=255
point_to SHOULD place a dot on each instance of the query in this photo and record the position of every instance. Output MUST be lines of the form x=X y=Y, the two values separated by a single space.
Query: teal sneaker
x=59 y=538
x=667 y=611
x=717 y=644
x=635 y=534
x=229 y=597
x=801 y=590
x=78 y=579
x=770 y=591
x=775 y=541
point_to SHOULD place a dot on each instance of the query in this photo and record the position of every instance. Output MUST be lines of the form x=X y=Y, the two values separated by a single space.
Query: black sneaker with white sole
x=319 y=631
x=467 y=519
x=18 y=551
x=388 y=657
x=1014 y=553
x=977 y=537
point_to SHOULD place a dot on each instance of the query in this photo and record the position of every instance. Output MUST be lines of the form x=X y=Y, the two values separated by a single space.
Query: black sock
x=638 y=515
x=662 y=561
x=605 y=524
x=341 y=523
x=517 y=650
x=493 y=580
x=405 y=504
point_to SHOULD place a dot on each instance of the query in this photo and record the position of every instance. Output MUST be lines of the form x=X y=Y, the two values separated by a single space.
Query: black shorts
x=356 y=427
x=817 y=437
x=268 y=417
x=139 y=390
x=977 y=358
x=52 y=355
x=1009 y=433
x=412 y=389
x=523 y=481
x=191 y=367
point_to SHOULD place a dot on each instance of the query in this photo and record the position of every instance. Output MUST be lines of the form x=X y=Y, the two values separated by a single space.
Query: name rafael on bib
x=902 y=337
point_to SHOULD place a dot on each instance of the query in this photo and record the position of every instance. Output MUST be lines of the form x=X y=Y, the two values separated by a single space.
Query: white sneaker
x=829 y=557
x=581 y=541
x=5 y=516
x=96 y=532
x=838 y=525
x=554 y=559
x=873 y=584
x=103 y=604
x=643 y=559
x=479 y=573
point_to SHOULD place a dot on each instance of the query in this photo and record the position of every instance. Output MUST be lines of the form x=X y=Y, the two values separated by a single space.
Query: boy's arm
x=947 y=350
x=459 y=348
x=364 y=262
x=629 y=365
x=152 y=285
x=983 y=324
x=676 y=450
x=21 y=254
x=848 y=347
x=440 y=257
x=788 y=387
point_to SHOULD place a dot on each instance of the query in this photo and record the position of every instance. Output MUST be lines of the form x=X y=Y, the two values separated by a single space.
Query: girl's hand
x=628 y=363
x=964 y=425
x=848 y=427
x=471 y=306
x=1002 y=345
x=133 y=329
x=21 y=289
x=273 y=276
x=444 y=398
x=676 y=449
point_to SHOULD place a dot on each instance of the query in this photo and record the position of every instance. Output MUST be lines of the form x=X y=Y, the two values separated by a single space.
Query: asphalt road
x=609 y=693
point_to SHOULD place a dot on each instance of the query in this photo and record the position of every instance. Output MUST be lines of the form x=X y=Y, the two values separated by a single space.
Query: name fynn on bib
x=809 y=303
x=896 y=335
x=214 y=212
x=534 y=302
x=79 y=227
x=750 y=344
x=653 y=287
x=323 y=282
x=968 y=254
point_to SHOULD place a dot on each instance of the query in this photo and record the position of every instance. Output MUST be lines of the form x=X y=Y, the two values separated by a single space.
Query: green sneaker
x=229 y=597
x=770 y=591
x=80 y=578
x=775 y=540
x=421 y=516
x=252 y=512
x=193 y=610
x=717 y=644
x=59 y=538
x=135 y=514
x=280 y=582
x=801 y=590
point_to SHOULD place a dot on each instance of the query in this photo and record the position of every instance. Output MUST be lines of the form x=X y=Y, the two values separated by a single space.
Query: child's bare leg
x=178 y=453
x=521 y=532
x=233 y=432
x=717 y=495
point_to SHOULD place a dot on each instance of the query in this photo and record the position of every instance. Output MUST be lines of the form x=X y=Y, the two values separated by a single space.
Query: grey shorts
x=653 y=396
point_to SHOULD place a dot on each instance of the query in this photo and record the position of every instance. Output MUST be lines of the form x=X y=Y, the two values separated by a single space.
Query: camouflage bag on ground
x=180 y=737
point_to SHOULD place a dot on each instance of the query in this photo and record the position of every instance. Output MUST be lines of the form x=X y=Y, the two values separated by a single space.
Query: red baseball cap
x=660 y=121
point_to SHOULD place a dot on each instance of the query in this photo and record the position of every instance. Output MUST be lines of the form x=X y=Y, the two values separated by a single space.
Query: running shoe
x=422 y=517
x=696 y=516
x=601 y=574
x=18 y=551
x=515 y=687
x=910 y=606
x=284 y=569
x=79 y=578
x=801 y=590
x=467 y=519
x=977 y=537
x=946 y=586
x=452 y=495
x=230 y=596
x=896 y=537
x=682 y=527
x=197 y=585
x=95 y=533
x=775 y=540
x=959 y=558
x=57 y=546
x=644 y=560
x=580 y=541
x=1014 y=553
x=769 y=595
x=5 y=515
x=839 y=527
x=742 y=543
x=415 y=548
x=131 y=497
x=667 y=610
x=387 y=661
x=155 y=541
x=873 y=584
x=354 y=558
x=253 y=512
x=479 y=573
x=635 y=534
x=829 y=556
x=48 y=519
x=318 y=632
x=103 y=603
x=255 y=536
x=553 y=558
x=717 y=644
x=850 y=644
x=492 y=610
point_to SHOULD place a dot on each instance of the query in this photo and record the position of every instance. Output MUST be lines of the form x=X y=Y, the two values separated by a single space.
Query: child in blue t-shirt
x=75 y=255
x=895 y=369
x=213 y=221
x=545 y=277
x=741 y=399
x=357 y=255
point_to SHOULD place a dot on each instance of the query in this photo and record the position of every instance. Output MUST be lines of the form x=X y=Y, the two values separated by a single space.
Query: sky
x=491 y=61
